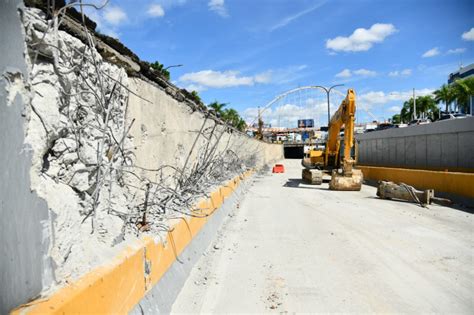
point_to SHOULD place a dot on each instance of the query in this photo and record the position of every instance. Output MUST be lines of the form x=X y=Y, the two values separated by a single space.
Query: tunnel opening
x=295 y=152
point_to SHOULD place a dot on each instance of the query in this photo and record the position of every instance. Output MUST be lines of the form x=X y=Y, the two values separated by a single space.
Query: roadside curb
x=118 y=286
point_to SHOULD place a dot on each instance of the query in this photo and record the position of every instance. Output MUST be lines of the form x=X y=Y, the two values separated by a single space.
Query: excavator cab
x=336 y=158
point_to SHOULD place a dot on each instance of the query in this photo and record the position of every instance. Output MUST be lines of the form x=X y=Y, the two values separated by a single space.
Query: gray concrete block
x=379 y=151
x=433 y=143
x=466 y=149
x=401 y=154
x=392 y=149
x=385 y=152
x=410 y=154
x=449 y=150
x=420 y=151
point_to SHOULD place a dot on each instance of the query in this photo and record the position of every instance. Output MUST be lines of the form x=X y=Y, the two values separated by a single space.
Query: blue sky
x=246 y=52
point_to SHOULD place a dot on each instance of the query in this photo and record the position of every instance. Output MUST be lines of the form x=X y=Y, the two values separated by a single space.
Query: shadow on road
x=299 y=183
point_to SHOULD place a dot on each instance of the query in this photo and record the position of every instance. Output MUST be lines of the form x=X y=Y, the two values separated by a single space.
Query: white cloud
x=224 y=79
x=468 y=35
x=114 y=15
x=287 y=20
x=400 y=73
x=361 y=39
x=264 y=77
x=365 y=73
x=285 y=75
x=394 y=109
x=288 y=114
x=431 y=53
x=347 y=73
x=218 y=6
x=156 y=10
x=372 y=98
x=456 y=51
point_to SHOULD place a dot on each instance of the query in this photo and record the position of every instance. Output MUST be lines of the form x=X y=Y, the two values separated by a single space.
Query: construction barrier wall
x=442 y=145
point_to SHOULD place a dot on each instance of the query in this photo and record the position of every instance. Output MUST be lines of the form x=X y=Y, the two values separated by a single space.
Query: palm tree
x=425 y=105
x=463 y=90
x=241 y=125
x=396 y=119
x=231 y=116
x=406 y=114
x=445 y=95
x=196 y=96
x=161 y=69
x=217 y=107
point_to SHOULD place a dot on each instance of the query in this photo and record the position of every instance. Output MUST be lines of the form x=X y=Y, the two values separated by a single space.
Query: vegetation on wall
x=229 y=115
x=161 y=69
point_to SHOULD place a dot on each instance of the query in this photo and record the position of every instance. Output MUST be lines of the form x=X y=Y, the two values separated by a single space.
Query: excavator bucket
x=345 y=182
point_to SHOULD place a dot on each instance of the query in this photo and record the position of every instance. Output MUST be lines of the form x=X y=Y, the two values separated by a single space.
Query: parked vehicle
x=447 y=116
x=420 y=121
x=384 y=126
x=453 y=116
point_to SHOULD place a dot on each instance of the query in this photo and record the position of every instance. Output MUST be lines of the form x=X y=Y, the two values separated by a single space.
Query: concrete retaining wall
x=442 y=145
x=165 y=130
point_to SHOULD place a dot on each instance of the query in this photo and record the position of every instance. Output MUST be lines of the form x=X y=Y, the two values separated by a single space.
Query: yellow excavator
x=330 y=158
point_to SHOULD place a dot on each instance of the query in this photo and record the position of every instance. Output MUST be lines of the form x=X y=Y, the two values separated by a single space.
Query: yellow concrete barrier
x=118 y=286
x=449 y=182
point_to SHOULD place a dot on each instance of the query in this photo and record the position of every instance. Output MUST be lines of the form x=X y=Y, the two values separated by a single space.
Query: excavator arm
x=343 y=117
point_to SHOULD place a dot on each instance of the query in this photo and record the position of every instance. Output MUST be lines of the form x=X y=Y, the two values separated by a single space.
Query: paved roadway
x=290 y=247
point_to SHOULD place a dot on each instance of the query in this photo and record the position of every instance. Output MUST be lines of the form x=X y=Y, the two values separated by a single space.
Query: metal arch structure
x=283 y=95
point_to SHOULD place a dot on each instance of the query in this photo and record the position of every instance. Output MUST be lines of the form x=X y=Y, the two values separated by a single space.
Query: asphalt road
x=291 y=247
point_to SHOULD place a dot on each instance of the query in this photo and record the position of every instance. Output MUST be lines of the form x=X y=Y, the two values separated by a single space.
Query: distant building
x=462 y=73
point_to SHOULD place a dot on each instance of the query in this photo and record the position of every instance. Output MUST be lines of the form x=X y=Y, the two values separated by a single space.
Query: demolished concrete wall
x=112 y=156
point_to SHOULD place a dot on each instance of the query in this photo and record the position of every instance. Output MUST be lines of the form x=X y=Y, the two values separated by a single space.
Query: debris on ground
x=402 y=191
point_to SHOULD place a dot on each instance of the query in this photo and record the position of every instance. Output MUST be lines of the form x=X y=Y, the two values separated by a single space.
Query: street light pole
x=328 y=90
x=173 y=66
x=414 y=105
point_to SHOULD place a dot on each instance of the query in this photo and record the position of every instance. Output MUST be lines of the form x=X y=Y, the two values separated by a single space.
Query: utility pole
x=260 y=126
x=328 y=90
x=414 y=105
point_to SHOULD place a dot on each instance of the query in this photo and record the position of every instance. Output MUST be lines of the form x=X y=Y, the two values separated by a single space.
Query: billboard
x=305 y=123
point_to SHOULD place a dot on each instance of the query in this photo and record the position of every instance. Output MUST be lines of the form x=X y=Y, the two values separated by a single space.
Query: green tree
x=446 y=95
x=218 y=108
x=196 y=96
x=241 y=125
x=231 y=116
x=396 y=119
x=425 y=106
x=161 y=69
x=463 y=90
